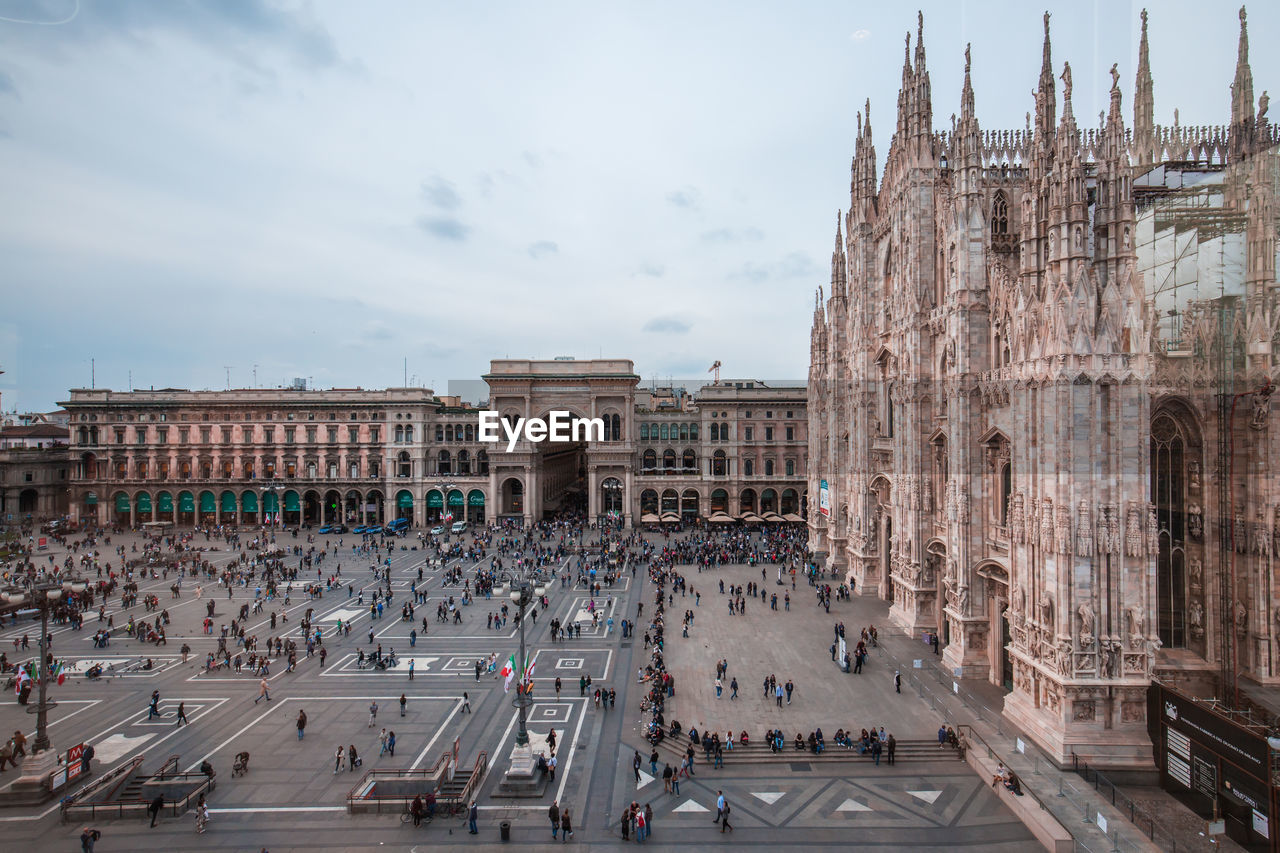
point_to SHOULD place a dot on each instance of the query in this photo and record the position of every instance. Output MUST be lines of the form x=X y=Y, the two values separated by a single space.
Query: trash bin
x=504 y=829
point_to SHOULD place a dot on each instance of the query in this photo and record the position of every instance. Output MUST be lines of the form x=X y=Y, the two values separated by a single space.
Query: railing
x=1137 y=815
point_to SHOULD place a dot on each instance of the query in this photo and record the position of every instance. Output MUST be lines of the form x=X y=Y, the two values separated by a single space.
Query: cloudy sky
x=329 y=189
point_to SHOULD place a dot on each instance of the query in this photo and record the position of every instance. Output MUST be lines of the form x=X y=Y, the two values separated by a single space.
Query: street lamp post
x=523 y=592
x=44 y=596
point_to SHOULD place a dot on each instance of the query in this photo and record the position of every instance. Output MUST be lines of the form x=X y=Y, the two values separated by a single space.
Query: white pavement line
x=439 y=731
x=249 y=725
x=270 y=809
x=568 y=762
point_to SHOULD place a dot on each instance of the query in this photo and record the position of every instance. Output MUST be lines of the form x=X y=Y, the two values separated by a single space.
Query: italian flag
x=528 y=668
x=507 y=673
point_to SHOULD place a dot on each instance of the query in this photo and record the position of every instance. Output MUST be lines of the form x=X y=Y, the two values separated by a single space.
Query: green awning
x=435 y=500
x=455 y=498
x=249 y=501
x=122 y=502
x=228 y=501
x=475 y=498
x=144 y=501
x=186 y=502
x=404 y=499
x=164 y=501
x=291 y=502
x=207 y=503
x=271 y=502
x=91 y=498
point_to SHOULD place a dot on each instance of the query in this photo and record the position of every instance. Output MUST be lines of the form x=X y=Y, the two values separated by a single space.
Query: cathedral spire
x=1143 y=102
x=1045 y=94
x=966 y=94
x=1242 y=87
x=838 y=276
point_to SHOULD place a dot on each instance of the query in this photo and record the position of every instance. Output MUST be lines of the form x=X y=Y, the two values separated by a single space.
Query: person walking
x=262 y=691
x=154 y=709
x=892 y=745
x=790 y=688
x=719 y=688
x=557 y=687
x=391 y=743
x=411 y=669
x=472 y=814
x=373 y=714
x=403 y=701
x=566 y=826
x=554 y=814
x=182 y=713
x=382 y=741
x=719 y=806
x=88 y=838
x=778 y=694
x=653 y=763
x=154 y=809
x=640 y=825
x=635 y=765
x=302 y=723
x=337 y=759
x=724 y=823
x=466 y=703
x=733 y=688
x=353 y=759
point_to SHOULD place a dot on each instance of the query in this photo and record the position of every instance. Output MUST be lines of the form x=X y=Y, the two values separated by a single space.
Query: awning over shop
x=249 y=501
x=143 y=500
x=791 y=516
x=207 y=502
x=164 y=502
x=404 y=499
x=291 y=502
x=91 y=498
x=435 y=500
x=455 y=498
x=122 y=502
x=228 y=501
x=475 y=498
x=186 y=502
x=648 y=518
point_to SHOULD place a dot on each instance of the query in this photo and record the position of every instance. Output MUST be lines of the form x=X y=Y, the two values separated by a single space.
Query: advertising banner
x=824 y=498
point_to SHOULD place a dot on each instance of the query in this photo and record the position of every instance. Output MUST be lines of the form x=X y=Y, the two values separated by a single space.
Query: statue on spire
x=966 y=58
x=1066 y=76
x=1115 y=75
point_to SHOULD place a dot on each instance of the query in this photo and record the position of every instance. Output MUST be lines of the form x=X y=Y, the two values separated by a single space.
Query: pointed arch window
x=1000 y=216
x=1170 y=451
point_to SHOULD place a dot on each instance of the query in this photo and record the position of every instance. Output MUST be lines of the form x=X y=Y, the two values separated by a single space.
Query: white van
x=459 y=527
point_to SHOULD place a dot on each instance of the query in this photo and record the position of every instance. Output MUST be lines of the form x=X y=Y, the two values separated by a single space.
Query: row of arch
x=287 y=507
x=689 y=502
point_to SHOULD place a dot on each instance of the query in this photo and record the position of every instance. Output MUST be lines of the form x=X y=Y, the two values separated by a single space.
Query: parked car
x=459 y=527
x=400 y=525
x=438 y=530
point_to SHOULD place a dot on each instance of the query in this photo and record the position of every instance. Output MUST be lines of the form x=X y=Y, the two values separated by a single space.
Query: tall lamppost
x=446 y=489
x=44 y=595
x=523 y=592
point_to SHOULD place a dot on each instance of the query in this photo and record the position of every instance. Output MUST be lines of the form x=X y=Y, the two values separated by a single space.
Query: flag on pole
x=508 y=672
x=22 y=676
x=528 y=667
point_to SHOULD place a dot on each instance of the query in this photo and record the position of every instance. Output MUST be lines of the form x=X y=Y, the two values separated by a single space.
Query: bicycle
x=407 y=816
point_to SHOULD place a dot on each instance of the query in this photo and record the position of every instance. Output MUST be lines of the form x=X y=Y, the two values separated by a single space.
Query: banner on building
x=824 y=498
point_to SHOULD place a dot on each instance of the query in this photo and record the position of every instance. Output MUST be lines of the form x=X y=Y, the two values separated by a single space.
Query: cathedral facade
x=1039 y=400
